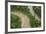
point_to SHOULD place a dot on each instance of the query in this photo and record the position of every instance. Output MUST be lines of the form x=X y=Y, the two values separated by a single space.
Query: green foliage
x=15 y=21
x=37 y=10
x=23 y=9
x=34 y=23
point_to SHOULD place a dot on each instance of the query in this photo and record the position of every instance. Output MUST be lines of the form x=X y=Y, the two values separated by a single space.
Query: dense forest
x=15 y=20
x=37 y=10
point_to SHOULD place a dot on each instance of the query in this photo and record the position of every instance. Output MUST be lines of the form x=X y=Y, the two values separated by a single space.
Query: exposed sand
x=25 y=20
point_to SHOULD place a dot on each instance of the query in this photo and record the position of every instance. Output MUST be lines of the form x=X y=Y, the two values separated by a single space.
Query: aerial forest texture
x=25 y=16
